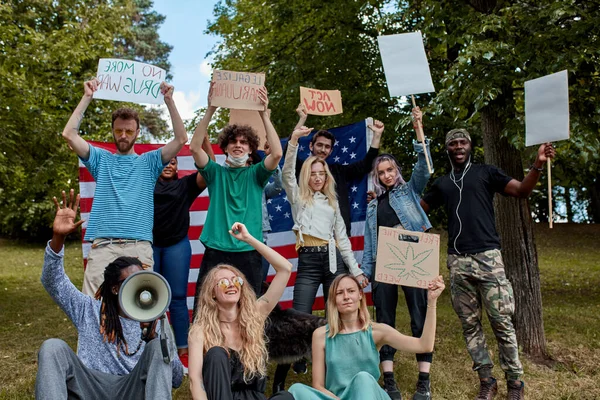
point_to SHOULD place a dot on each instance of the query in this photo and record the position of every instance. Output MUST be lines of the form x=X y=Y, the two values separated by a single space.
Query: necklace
x=136 y=350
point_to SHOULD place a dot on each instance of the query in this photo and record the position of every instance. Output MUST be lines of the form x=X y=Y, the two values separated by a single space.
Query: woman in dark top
x=173 y=197
x=397 y=205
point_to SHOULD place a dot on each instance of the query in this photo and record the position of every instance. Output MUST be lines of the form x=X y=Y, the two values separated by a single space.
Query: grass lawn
x=569 y=258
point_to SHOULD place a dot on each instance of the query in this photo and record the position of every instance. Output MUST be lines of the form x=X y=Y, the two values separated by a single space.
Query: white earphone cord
x=460 y=188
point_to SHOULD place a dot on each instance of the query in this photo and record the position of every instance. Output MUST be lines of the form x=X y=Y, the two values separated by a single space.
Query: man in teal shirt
x=235 y=190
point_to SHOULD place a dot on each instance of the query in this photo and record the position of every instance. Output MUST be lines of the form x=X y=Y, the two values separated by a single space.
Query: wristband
x=536 y=168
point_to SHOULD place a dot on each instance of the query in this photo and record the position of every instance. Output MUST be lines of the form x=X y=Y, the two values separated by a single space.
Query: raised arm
x=71 y=131
x=283 y=268
x=288 y=173
x=171 y=149
x=302 y=115
x=523 y=189
x=196 y=360
x=318 y=361
x=272 y=160
x=200 y=156
x=385 y=334
x=362 y=167
x=206 y=146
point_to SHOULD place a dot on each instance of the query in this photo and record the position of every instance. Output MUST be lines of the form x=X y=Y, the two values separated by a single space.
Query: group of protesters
x=140 y=219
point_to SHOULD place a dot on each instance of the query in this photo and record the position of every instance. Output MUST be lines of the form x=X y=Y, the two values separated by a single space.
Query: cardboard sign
x=547 y=109
x=252 y=118
x=124 y=80
x=237 y=90
x=321 y=102
x=405 y=64
x=407 y=258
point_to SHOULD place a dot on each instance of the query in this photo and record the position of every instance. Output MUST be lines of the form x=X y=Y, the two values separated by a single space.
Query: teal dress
x=352 y=369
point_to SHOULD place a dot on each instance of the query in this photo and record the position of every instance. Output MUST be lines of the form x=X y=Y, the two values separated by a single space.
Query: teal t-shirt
x=235 y=196
x=123 y=204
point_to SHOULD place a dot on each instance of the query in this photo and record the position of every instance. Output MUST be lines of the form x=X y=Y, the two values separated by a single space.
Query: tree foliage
x=47 y=50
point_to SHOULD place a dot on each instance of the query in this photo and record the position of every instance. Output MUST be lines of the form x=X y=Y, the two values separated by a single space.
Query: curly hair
x=126 y=114
x=232 y=132
x=306 y=193
x=253 y=353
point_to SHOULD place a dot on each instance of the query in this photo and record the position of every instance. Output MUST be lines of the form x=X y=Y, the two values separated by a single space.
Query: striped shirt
x=123 y=204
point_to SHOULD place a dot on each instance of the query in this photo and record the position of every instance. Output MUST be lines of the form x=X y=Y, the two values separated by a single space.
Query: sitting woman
x=227 y=350
x=345 y=351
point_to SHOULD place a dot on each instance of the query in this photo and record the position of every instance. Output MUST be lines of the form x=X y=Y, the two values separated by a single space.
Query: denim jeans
x=173 y=263
x=313 y=270
x=385 y=298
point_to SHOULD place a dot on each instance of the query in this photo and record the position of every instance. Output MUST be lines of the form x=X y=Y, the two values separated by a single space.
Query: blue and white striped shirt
x=123 y=204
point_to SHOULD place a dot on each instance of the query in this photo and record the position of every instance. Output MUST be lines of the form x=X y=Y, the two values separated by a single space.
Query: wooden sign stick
x=421 y=137
x=550 y=211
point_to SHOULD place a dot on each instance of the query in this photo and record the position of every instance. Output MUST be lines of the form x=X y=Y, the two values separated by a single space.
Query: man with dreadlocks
x=114 y=360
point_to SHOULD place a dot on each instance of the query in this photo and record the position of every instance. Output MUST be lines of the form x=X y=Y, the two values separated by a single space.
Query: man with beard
x=121 y=220
x=474 y=259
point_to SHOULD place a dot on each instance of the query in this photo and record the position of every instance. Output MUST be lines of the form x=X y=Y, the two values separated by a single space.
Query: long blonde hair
x=306 y=193
x=333 y=315
x=253 y=353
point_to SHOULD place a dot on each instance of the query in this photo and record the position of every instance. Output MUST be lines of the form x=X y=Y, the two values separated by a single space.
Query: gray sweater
x=84 y=312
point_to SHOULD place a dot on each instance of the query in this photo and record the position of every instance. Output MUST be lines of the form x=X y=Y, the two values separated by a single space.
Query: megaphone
x=144 y=296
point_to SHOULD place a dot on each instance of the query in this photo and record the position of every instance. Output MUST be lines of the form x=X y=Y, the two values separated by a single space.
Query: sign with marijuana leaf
x=407 y=258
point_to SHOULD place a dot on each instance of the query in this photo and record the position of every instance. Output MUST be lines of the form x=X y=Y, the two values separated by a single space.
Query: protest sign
x=407 y=258
x=124 y=80
x=252 y=118
x=547 y=109
x=405 y=64
x=321 y=102
x=547 y=116
x=237 y=90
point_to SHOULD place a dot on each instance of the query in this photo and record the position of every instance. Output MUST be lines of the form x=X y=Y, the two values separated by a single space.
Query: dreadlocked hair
x=110 y=324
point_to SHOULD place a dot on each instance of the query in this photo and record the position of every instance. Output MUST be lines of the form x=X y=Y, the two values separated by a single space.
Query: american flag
x=352 y=143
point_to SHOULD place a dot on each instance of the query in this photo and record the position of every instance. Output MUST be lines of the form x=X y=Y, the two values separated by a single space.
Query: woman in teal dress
x=345 y=352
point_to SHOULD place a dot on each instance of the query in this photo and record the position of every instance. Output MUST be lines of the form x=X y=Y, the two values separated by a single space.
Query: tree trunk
x=569 y=204
x=594 y=207
x=515 y=226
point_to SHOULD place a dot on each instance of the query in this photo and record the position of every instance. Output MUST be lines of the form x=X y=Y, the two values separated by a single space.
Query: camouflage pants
x=476 y=280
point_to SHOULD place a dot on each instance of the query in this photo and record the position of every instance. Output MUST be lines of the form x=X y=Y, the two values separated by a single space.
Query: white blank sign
x=405 y=64
x=547 y=109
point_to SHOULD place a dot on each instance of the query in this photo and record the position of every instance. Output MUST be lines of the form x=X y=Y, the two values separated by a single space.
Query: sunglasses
x=224 y=283
x=127 y=132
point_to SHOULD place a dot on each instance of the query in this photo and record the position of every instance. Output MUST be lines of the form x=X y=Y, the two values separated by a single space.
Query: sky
x=186 y=21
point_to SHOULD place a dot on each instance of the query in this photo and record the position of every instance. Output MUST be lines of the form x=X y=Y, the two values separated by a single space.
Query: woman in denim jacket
x=397 y=205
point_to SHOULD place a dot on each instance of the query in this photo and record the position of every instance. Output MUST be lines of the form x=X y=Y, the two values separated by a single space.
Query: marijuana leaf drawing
x=407 y=263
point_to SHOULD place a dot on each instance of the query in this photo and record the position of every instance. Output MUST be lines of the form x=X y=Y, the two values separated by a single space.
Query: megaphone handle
x=164 y=344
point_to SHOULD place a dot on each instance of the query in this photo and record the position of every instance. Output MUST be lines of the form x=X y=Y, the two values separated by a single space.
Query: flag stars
x=355 y=205
x=344 y=149
x=345 y=163
x=270 y=218
x=336 y=143
x=269 y=201
x=287 y=215
x=352 y=139
x=352 y=155
x=354 y=188
x=301 y=148
x=336 y=159
x=278 y=208
x=285 y=198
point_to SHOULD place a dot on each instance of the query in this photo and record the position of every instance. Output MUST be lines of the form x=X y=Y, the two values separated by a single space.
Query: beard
x=124 y=145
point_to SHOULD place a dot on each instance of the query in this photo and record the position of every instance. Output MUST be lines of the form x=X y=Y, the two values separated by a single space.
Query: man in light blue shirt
x=121 y=220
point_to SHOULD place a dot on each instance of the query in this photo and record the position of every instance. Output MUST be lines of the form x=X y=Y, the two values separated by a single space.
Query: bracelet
x=428 y=306
x=536 y=168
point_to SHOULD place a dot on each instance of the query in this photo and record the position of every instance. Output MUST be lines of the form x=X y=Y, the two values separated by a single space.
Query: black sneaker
x=300 y=366
x=487 y=389
x=423 y=390
x=516 y=390
x=390 y=387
